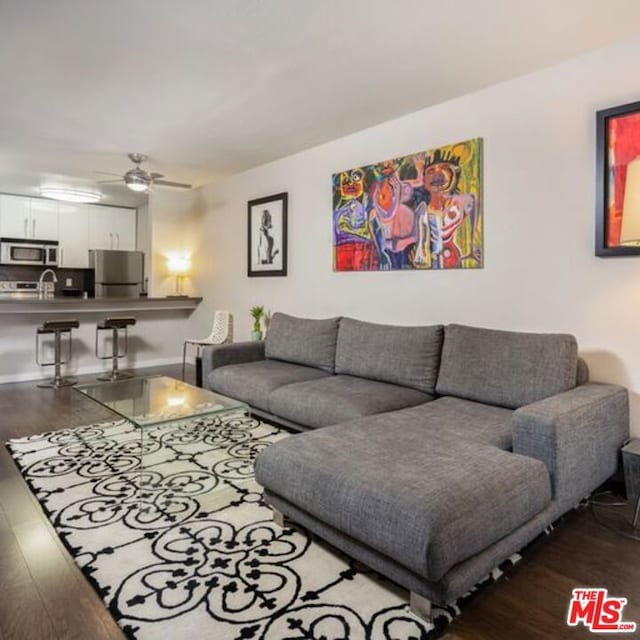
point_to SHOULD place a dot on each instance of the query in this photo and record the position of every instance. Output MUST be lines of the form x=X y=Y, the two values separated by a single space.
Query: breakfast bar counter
x=63 y=304
x=161 y=326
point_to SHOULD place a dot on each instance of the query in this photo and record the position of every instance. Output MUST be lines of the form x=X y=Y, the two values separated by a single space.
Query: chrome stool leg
x=114 y=325
x=184 y=357
x=115 y=343
x=58 y=328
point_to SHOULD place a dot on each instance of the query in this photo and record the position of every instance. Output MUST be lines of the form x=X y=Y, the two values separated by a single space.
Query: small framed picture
x=267 y=236
x=618 y=181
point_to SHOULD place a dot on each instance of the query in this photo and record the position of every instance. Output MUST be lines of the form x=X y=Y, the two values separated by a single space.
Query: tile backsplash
x=70 y=281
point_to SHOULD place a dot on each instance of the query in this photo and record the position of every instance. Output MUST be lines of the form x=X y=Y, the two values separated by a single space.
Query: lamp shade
x=630 y=232
x=178 y=265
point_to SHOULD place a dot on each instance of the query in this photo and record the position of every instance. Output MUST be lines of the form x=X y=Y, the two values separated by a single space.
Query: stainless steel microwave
x=29 y=252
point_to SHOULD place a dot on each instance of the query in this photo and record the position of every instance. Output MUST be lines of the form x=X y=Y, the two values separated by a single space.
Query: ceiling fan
x=137 y=179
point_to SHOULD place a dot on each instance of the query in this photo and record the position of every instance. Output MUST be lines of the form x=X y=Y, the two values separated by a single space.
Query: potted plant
x=257 y=313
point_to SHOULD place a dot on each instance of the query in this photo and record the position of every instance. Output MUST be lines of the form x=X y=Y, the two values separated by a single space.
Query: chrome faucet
x=42 y=291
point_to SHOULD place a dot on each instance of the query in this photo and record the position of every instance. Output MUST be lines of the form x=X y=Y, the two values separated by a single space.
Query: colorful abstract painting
x=422 y=211
x=624 y=147
x=618 y=181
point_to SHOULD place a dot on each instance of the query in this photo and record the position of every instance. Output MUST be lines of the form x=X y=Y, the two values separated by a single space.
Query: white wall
x=143 y=236
x=539 y=182
x=173 y=225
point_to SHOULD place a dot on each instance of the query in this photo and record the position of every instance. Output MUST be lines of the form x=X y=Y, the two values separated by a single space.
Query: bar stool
x=115 y=325
x=58 y=328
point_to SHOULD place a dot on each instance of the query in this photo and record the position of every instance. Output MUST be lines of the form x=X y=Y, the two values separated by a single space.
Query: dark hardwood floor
x=532 y=599
x=44 y=596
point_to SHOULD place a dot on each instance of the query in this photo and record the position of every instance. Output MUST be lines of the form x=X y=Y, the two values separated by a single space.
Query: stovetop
x=24 y=289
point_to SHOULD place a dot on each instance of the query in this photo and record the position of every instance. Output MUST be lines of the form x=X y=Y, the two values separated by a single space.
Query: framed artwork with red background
x=618 y=181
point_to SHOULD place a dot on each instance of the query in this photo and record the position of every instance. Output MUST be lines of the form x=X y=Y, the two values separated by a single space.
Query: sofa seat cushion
x=506 y=368
x=408 y=356
x=459 y=419
x=303 y=341
x=252 y=382
x=318 y=403
x=427 y=503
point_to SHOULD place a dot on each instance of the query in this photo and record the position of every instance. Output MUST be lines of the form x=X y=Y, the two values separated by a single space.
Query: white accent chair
x=221 y=333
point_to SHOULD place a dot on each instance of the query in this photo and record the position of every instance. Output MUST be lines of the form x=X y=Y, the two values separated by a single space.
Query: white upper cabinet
x=124 y=228
x=112 y=228
x=100 y=232
x=15 y=217
x=44 y=219
x=74 y=235
x=77 y=227
x=28 y=218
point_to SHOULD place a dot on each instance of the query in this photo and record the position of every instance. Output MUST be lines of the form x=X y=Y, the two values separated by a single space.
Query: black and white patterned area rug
x=169 y=526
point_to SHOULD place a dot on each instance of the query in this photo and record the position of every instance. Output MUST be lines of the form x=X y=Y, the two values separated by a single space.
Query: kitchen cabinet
x=74 y=235
x=112 y=228
x=78 y=227
x=16 y=212
x=100 y=234
x=44 y=219
x=28 y=218
x=124 y=228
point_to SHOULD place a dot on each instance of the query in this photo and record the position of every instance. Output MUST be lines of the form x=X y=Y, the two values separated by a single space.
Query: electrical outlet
x=68 y=282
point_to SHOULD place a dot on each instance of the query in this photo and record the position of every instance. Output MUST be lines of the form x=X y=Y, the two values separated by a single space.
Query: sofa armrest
x=234 y=353
x=578 y=435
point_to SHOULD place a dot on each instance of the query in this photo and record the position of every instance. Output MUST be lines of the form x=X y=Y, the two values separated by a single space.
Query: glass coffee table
x=154 y=400
x=184 y=450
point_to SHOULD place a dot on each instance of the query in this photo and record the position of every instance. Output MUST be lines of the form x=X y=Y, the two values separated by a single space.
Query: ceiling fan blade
x=108 y=173
x=155 y=176
x=109 y=181
x=176 y=185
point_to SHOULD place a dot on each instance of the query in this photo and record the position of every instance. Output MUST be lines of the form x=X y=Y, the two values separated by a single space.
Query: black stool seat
x=50 y=326
x=116 y=323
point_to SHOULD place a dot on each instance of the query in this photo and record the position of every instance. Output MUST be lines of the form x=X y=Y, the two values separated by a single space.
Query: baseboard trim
x=42 y=374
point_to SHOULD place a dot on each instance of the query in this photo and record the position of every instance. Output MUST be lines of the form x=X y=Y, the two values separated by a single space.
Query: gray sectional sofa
x=433 y=453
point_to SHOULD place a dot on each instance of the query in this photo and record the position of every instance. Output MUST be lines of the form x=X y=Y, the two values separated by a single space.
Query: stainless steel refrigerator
x=118 y=274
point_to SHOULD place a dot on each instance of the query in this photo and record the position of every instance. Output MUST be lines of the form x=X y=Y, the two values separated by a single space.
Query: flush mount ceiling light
x=70 y=195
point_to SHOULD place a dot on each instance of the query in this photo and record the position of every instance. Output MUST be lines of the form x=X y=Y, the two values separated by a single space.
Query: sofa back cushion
x=407 y=356
x=582 y=373
x=303 y=341
x=505 y=368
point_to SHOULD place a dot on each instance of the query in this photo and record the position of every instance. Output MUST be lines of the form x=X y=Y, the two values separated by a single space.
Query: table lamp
x=178 y=266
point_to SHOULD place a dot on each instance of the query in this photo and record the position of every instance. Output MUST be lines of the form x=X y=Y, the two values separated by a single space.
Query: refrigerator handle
x=110 y=240
x=118 y=240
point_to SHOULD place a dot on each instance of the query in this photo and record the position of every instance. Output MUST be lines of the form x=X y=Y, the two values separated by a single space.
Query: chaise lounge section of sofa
x=435 y=452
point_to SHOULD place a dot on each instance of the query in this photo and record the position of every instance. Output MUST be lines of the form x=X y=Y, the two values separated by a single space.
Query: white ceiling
x=211 y=87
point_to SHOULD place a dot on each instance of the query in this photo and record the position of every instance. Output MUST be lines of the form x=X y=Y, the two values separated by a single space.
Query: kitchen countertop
x=63 y=304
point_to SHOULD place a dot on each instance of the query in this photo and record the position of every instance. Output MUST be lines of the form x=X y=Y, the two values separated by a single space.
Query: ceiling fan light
x=70 y=195
x=137 y=186
x=137 y=180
